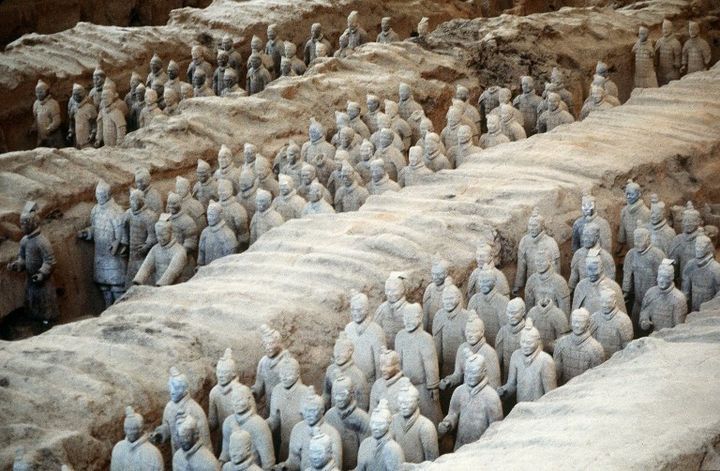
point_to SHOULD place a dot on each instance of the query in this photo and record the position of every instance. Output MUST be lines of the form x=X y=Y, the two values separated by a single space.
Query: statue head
x=515 y=311
x=173 y=70
x=108 y=96
x=632 y=192
x=602 y=70
x=187 y=430
x=352 y=20
x=316 y=30
x=703 y=247
x=593 y=265
x=373 y=103
x=395 y=287
x=389 y=363
x=247 y=182
x=255 y=61
x=285 y=66
x=666 y=274
x=423 y=27
x=346 y=135
x=272 y=31
x=320 y=449
x=214 y=213
x=343 y=349
x=170 y=97
x=657 y=211
x=667 y=28
x=353 y=109
x=432 y=143
x=227 y=43
x=553 y=101
x=197 y=53
x=224 y=157
x=315 y=192
x=137 y=199
x=462 y=93
x=484 y=254
x=386 y=138
x=256 y=44
x=597 y=94
x=151 y=97
x=474 y=329
x=344 y=41
x=359 y=307
x=527 y=84
x=242 y=400
x=404 y=91
x=543 y=261
x=289 y=371
x=453 y=116
x=608 y=300
x=133 y=425
x=504 y=96
x=415 y=156
x=493 y=124
x=271 y=340
x=249 y=153
x=377 y=170
x=225 y=369
x=587 y=205
x=222 y=58
x=439 y=271
x=139 y=93
x=177 y=385
x=203 y=171
x=186 y=91
x=475 y=369
x=464 y=135
x=507 y=113
x=142 y=178
x=536 y=223
x=163 y=230
x=641 y=238
x=78 y=92
x=289 y=49
x=102 y=192
x=313 y=407
x=263 y=199
x=199 y=78
x=487 y=279
x=316 y=130
x=590 y=235
x=342 y=392
x=392 y=109
x=292 y=152
x=529 y=339
x=642 y=33
x=408 y=399
x=380 y=420
x=451 y=296
x=385 y=24
x=690 y=219
x=155 y=64
x=580 y=321
x=321 y=50
x=347 y=174
x=307 y=174
x=412 y=317
x=367 y=150
x=426 y=126
x=286 y=184
x=240 y=446
x=693 y=29
x=556 y=77
x=383 y=121
x=263 y=169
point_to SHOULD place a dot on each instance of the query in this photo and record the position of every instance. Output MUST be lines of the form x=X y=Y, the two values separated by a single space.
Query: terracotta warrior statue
x=37 y=260
x=156 y=74
x=554 y=115
x=668 y=55
x=509 y=125
x=356 y=35
x=316 y=37
x=462 y=100
x=380 y=182
x=489 y=303
x=286 y=404
x=590 y=239
x=231 y=86
x=344 y=365
x=407 y=104
x=527 y=103
x=317 y=144
x=317 y=204
x=150 y=110
x=475 y=343
x=181 y=403
x=464 y=148
x=274 y=48
x=640 y=270
x=82 y=118
x=130 y=98
x=240 y=453
x=664 y=305
x=433 y=156
x=233 y=213
x=432 y=298
x=373 y=111
x=587 y=291
x=661 y=233
x=380 y=452
x=682 y=247
x=603 y=71
x=634 y=211
x=235 y=62
x=202 y=87
x=184 y=225
x=221 y=395
x=701 y=276
x=351 y=422
x=475 y=404
x=550 y=321
x=194 y=454
x=419 y=362
x=390 y=314
x=173 y=82
x=610 y=325
x=258 y=77
x=218 y=78
x=46 y=112
x=416 y=170
x=532 y=371
x=106 y=230
x=153 y=200
x=545 y=282
x=111 y=123
x=387 y=386
x=136 y=108
x=350 y=195
x=266 y=177
x=696 y=54
x=644 y=61
x=98 y=79
x=218 y=239
x=297 y=65
x=425 y=127
x=448 y=327
x=449 y=134
x=288 y=203
x=494 y=136
x=135 y=451
x=386 y=35
x=268 y=372
x=138 y=233
x=245 y=419
x=588 y=208
x=485 y=258
x=390 y=155
x=534 y=241
x=265 y=217
x=508 y=337
x=198 y=62
x=367 y=337
x=597 y=102
x=414 y=432
x=397 y=124
x=206 y=188
x=577 y=351
x=166 y=261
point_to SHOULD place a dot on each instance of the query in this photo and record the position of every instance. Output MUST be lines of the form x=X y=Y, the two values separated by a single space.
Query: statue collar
x=290 y=195
x=476 y=348
x=140 y=210
x=193 y=450
x=419 y=165
x=44 y=100
x=224 y=390
x=610 y=315
x=515 y=329
x=591 y=218
x=399 y=304
x=408 y=422
x=643 y=252
x=539 y=237
x=704 y=261
x=546 y=274
x=579 y=339
x=389 y=382
x=176 y=215
x=245 y=464
x=242 y=418
x=345 y=365
x=454 y=312
x=170 y=244
x=345 y=413
x=660 y=225
x=143 y=438
x=434 y=155
x=488 y=297
x=276 y=359
x=667 y=290
x=497 y=132
x=545 y=309
x=479 y=387
x=634 y=206
x=361 y=327
x=530 y=358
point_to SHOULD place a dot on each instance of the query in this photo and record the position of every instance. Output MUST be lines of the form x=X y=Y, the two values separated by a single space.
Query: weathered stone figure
x=297 y=65
x=400 y=126
x=545 y=282
x=661 y=233
x=494 y=136
x=245 y=419
x=634 y=211
x=433 y=156
x=489 y=303
x=166 y=261
x=181 y=403
x=173 y=82
x=474 y=406
x=373 y=112
x=610 y=325
x=321 y=453
x=268 y=372
x=288 y=203
x=218 y=79
x=554 y=115
x=549 y=320
x=221 y=395
x=138 y=105
x=597 y=102
x=380 y=182
x=432 y=297
x=387 y=386
x=696 y=52
x=274 y=48
x=448 y=135
x=419 y=362
x=682 y=248
x=588 y=207
x=227 y=44
x=135 y=80
x=426 y=127
x=258 y=77
x=532 y=371
x=448 y=327
x=316 y=37
x=317 y=144
x=701 y=276
x=534 y=241
x=156 y=74
x=82 y=119
x=509 y=124
x=602 y=70
x=393 y=159
x=475 y=343
x=184 y=226
x=218 y=239
x=317 y=204
x=37 y=260
x=172 y=100
x=135 y=451
x=153 y=200
x=111 y=124
x=387 y=34
x=380 y=452
x=198 y=62
x=202 y=87
x=462 y=94
x=644 y=61
x=46 y=112
x=194 y=454
x=577 y=351
x=406 y=103
x=587 y=291
x=668 y=55
x=265 y=217
x=350 y=195
x=485 y=258
x=240 y=453
x=285 y=404
x=508 y=338
x=231 y=87
x=590 y=239
x=233 y=213
x=527 y=102
x=390 y=314
x=356 y=35
x=206 y=188
x=265 y=177
x=344 y=365
x=350 y=421
x=664 y=305
x=416 y=170
x=150 y=110
x=138 y=233
x=367 y=337
x=106 y=230
x=461 y=152
x=414 y=432
x=557 y=78
x=640 y=271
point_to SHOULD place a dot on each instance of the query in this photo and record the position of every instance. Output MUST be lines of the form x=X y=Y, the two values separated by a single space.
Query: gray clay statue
x=320 y=451
x=508 y=337
x=485 y=258
x=356 y=35
x=577 y=351
x=198 y=62
x=138 y=104
x=350 y=195
x=46 y=112
x=268 y=373
x=588 y=208
x=98 y=79
x=138 y=233
x=194 y=454
x=701 y=276
x=258 y=77
x=156 y=74
x=166 y=261
x=173 y=82
x=37 y=260
x=696 y=53
x=460 y=152
x=532 y=371
x=474 y=406
x=296 y=64
x=130 y=98
x=587 y=291
x=475 y=343
x=398 y=124
x=640 y=270
x=510 y=124
x=389 y=154
x=344 y=365
x=661 y=233
x=682 y=248
x=265 y=217
x=286 y=402
x=634 y=211
x=317 y=204
x=387 y=35
x=590 y=240
x=206 y=188
x=218 y=79
x=240 y=453
x=135 y=451
x=611 y=326
x=387 y=385
x=597 y=102
x=554 y=115
x=202 y=86
x=317 y=144
x=82 y=118
x=448 y=327
x=668 y=55
x=389 y=315
x=288 y=203
x=664 y=306
x=489 y=100
x=380 y=452
x=546 y=283
x=150 y=110
x=367 y=337
x=489 y=303
x=433 y=156
x=550 y=321
x=644 y=61
x=233 y=213
x=351 y=422
x=316 y=37
x=406 y=103
x=220 y=400
x=462 y=100
x=265 y=177
x=380 y=181
x=414 y=432
x=449 y=134
x=432 y=298
x=153 y=200
x=416 y=171
x=111 y=123
x=106 y=231
x=184 y=223
x=372 y=114
x=494 y=136
x=231 y=85
x=602 y=70
x=527 y=103
x=533 y=242
x=245 y=419
x=274 y=48
x=235 y=62
x=247 y=193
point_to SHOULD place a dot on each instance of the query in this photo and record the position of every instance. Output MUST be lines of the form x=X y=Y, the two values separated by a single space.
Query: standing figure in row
x=644 y=61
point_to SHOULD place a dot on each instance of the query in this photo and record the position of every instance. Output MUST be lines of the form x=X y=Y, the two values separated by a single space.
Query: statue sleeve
x=48 y=257
x=622 y=236
x=645 y=308
x=177 y=264
x=55 y=117
x=625 y=332
x=557 y=358
x=453 y=414
x=563 y=298
x=294 y=455
x=511 y=384
x=430 y=445
x=685 y=54
x=431 y=367
x=686 y=285
x=521 y=267
x=146 y=269
x=264 y=446
x=627 y=283
x=706 y=53
x=456 y=377
x=20 y=260
x=212 y=412
x=549 y=375
x=201 y=251
x=225 y=451
x=273 y=419
x=680 y=311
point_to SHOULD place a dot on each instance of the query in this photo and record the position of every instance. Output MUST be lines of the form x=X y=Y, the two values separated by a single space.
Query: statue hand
x=38 y=277
x=83 y=234
x=444 y=383
x=645 y=325
x=155 y=436
x=501 y=391
x=114 y=247
x=435 y=394
x=443 y=428
x=69 y=137
x=14 y=266
x=515 y=292
x=683 y=69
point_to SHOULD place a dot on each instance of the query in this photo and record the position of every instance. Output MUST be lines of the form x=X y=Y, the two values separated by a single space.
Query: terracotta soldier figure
x=247 y=193
x=240 y=453
x=640 y=271
x=135 y=451
x=258 y=77
x=172 y=100
x=545 y=282
x=268 y=373
x=106 y=230
x=233 y=213
x=380 y=181
x=449 y=133
x=387 y=35
x=634 y=211
x=218 y=239
x=558 y=80
x=590 y=215
x=265 y=218
x=554 y=116
x=150 y=110
x=136 y=109
x=46 y=112
x=475 y=343
x=181 y=403
x=527 y=102
x=590 y=239
x=532 y=371
x=153 y=200
x=550 y=321
x=587 y=291
x=485 y=259
x=597 y=102
x=432 y=298
x=664 y=306
x=221 y=395
x=316 y=37
x=321 y=453
x=206 y=188
x=218 y=78
x=508 y=338
x=406 y=103
x=111 y=124
x=367 y=337
x=387 y=386
x=244 y=418
x=265 y=176
x=611 y=326
x=494 y=136
x=285 y=405
x=426 y=127
x=577 y=351
x=668 y=55
x=701 y=276
x=448 y=327
x=682 y=248
x=317 y=144
x=419 y=362
x=470 y=112
x=350 y=195
x=138 y=233
x=344 y=365
x=184 y=226
x=231 y=86
x=156 y=74
x=274 y=48
x=194 y=454
x=661 y=233
x=416 y=170
x=198 y=62
x=696 y=52
x=316 y=203
x=602 y=70
x=474 y=406
x=644 y=61
x=397 y=124
x=414 y=432
x=461 y=152
x=535 y=240
x=508 y=123
x=98 y=79
x=434 y=158
x=380 y=452
x=390 y=314
x=173 y=82
x=350 y=421
x=202 y=87
x=83 y=118
x=288 y=203
x=356 y=35
x=489 y=303
x=166 y=261
x=135 y=80
x=37 y=260
x=227 y=44
x=489 y=100
x=290 y=53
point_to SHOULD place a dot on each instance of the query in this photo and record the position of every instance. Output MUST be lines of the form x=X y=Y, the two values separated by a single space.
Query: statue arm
x=258 y=389
x=706 y=52
x=680 y=311
x=273 y=419
x=686 y=285
x=511 y=385
x=456 y=377
x=19 y=263
x=212 y=413
x=295 y=452
x=429 y=440
x=430 y=365
x=55 y=120
x=627 y=283
x=558 y=360
x=99 y=129
x=147 y=268
x=48 y=258
x=201 y=251
x=177 y=264
x=549 y=376
x=625 y=332
x=563 y=298
x=264 y=446
x=521 y=272
x=453 y=416
x=225 y=449
x=645 y=313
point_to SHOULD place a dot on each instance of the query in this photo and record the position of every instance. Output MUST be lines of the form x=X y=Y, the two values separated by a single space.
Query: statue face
x=597 y=94
x=306 y=177
x=172 y=74
x=386 y=138
x=41 y=93
x=178 y=389
x=315 y=133
x=223 y=160
x=164 y=234
x=438 y=274
x=579 y=324
x=285 y=187
x=534 y=228
x=262 y=204
x=607 y=301
x=255 y=44
x=377 y=173
x=342 y=353
x=345 y=140
x=632 y=195
x=226 y=44
x=136 y=202
x=411 y=319
x=196 y=57
x=514 y=316
x=487 y=283
x=664 y=280
x=241 y=403
x=404 y=93
x=214 y=217
x=28 y=224
x=342 y=396
x=224 y=374
x=464 y=135
x=407 y=404
x=588 y=207
x=315 y=194
x=554 y=102
x=102 y=195
x=373 y=105
x=482 y=257
x=312 y=413
x=389 y=367
x=203 y=175
x=365 y=153
x=238 y=451
x=643 y=34
x=255 y=62
x=528 y=344
x=702 y=248
x=318 y=455
x=656 y=214
x=78 y=95
x=690 y=223
x=527 y=86
x=493 y=125
x=394 y=291
x=641 y=240
x=292 y=154
x=198 y=80
x=667 y=29
x=173 y=207
x=155 y=67
x=133 y=430
x=289 y=376
x=450 y=300
x=222 y=60
x=474 y=333
x=358 y=311
x=431 y=147
x=473 y=375
x=379 y=426
x=593 y=270
x=271 y=33
x=693 y=30
x=589 y=238
x=315 y=30
x=187 y=437
x=542 y=263
x=272 y=346
x=385 y=25
x=98 y=80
